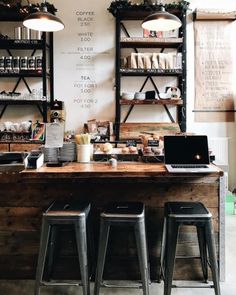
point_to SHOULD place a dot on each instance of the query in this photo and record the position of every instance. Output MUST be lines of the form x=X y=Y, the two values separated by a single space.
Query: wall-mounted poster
x=214 y=71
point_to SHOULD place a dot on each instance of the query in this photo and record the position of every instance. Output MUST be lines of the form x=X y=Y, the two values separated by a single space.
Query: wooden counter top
x=100 y=170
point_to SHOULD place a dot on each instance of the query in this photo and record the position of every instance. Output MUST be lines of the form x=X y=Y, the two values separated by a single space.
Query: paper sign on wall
x=214 y=97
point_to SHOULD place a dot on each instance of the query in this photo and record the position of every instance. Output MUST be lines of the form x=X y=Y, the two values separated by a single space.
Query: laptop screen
x=190 y=149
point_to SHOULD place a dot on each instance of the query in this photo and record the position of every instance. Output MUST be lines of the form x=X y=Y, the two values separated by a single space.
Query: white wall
x=105 y=108
x=69 y=67
x=211 y=129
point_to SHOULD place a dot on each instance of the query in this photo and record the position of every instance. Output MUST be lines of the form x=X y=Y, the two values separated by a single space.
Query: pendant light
x=161 y=21
x=43 y=20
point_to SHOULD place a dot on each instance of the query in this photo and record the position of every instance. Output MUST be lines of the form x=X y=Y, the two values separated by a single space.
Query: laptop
x=187 y=154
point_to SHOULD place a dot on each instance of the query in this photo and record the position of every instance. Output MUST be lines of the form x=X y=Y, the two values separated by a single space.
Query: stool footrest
x=107 y=285
x=195 y=287
x=60 y=284
x=187 y=257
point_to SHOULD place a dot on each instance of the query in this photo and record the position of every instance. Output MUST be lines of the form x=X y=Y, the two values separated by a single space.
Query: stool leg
x=203 y=251
x=81 y=240
x=42 y=254
x=212 y=256
x=141 y=242
x=171 y=243
x=162 y=254
x=51 y=250
x=91 y=247
x=103 y=239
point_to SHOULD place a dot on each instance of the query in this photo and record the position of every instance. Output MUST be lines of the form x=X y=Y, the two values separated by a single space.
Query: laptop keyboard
x=189 y=166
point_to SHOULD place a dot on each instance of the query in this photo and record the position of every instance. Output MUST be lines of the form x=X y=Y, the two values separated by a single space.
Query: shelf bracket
x=9 y=52
x=26 y=84
x=169 y=114
x=3 y=111
x=127 y=34
x=144 y=83
x=132 y=106
x=154 y=85
x=33 y=53
x=17 y=84
x=40 y=110
x=128 y=113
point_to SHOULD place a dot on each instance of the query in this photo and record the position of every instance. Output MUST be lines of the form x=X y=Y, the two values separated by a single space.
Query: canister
x=16 y=63
x=31 y=63
x=83 y=153
x=24 y=63
x=18 y=33
x=2 y=63
x=25 y=33
x=38 y=62
x=8 y=62
x=38 y=35
x=35 y=35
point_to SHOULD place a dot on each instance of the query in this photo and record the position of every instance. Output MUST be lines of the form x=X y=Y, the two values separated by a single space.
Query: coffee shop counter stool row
x=125 y=214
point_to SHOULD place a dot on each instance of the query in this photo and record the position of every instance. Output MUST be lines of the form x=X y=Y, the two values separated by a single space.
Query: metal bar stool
x=188 y=213
x=63 y=213
x=125 y=214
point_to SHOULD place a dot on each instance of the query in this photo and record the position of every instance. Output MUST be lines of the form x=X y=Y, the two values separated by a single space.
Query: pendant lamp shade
x=43 y=21
x=161 y=21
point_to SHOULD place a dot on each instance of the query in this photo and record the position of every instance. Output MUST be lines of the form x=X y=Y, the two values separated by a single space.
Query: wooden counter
x=24 y=196
x=104 y=170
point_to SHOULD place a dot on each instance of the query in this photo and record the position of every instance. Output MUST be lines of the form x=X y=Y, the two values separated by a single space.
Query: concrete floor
x=227 y=288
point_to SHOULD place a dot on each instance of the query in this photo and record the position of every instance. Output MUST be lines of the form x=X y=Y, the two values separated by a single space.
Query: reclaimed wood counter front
x=25 y=196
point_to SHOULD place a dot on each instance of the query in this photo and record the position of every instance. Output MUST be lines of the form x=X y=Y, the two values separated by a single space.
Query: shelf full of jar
x=21 y=66
x=21 y=44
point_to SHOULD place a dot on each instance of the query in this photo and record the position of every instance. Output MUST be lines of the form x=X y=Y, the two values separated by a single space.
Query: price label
x=131 y=143
x=153 y=142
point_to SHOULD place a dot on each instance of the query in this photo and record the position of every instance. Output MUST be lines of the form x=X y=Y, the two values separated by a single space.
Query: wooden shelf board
x=150 y=42
x=138 y=13
x=151 y=102
x=22 y=73
x=21 y=44
x=151 y=72
x=20 y=102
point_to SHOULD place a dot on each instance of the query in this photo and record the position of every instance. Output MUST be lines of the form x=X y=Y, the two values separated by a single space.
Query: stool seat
x=125 y=209
x=123 y=214
x=68 y=208
x=186 y=209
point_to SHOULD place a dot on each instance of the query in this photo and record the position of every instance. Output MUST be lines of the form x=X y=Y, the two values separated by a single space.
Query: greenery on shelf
x=16 y=7
x=124 y=4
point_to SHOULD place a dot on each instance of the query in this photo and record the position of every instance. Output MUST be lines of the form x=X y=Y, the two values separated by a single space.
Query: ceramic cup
x=7 y=125
x=24 y=126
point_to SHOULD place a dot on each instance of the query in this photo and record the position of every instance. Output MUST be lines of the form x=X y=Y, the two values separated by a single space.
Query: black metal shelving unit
x=41 y=105
x=45 y=45
x=124 y=11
